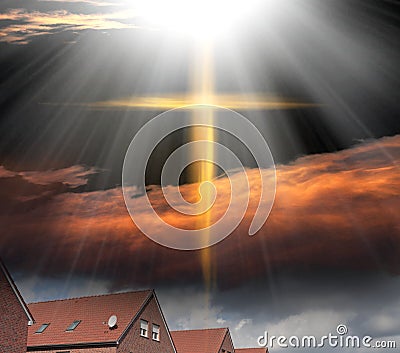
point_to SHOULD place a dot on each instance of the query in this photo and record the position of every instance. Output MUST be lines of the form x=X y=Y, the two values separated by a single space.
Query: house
x=116 y=323
x=216 y=340
x=14 y=315
x=130 y=322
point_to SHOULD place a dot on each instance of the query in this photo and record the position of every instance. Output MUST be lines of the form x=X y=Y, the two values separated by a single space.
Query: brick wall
x=13 y=320
x=134 y=343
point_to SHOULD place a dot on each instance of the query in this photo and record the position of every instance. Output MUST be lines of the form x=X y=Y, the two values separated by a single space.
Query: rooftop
x=199 y=341
x=87 y=316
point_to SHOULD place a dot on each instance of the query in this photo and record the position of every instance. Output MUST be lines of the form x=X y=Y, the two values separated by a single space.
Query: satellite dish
x=112 y=321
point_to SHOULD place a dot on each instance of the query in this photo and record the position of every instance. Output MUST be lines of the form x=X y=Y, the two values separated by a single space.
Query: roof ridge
x=202 y=329
x=223 y=339
x=16 y=291
x=91 y=296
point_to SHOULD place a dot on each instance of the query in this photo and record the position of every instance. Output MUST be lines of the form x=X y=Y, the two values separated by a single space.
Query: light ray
x=203 y=90
x=256 y=101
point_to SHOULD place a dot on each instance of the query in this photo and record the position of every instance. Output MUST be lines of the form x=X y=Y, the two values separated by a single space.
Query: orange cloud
x=73 y=176
x=5 y=173
x=337 y=211
x=25 y=25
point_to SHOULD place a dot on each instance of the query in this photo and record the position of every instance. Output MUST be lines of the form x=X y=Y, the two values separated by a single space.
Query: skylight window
x=42 y=328
x=73 y=325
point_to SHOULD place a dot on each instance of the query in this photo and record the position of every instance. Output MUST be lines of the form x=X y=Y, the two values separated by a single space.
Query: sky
x=319 y=80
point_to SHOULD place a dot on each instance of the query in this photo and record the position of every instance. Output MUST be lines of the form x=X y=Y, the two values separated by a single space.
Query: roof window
x=42 y=328
x=73 y=325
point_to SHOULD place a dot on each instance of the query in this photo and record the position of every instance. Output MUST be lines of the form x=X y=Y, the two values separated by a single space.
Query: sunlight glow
x=198 y=18
x=250 y=101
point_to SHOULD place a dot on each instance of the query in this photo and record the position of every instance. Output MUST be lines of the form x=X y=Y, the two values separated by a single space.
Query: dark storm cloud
x=292 y=305
x=329 y=214
x=24 y=191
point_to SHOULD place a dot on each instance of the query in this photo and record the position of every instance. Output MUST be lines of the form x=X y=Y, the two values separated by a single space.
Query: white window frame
x=155 y=331
x=144 y=328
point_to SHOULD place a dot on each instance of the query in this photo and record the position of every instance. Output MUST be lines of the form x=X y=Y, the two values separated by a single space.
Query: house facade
x=14 y=316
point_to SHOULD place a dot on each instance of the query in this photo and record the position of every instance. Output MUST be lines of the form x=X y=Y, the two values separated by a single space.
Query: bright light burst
x=198 y=18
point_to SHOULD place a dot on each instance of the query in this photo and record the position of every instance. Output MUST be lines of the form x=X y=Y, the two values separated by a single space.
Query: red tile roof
x=199 y=341
x=251 y=350
x=93 y=312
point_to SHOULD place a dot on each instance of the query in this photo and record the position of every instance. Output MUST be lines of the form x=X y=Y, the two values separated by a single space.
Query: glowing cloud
x=26 y=25
x=335 y=211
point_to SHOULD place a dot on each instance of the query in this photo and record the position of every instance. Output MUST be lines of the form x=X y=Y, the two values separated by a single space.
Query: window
x=156 y=332
x=73 y=325
x=144 y=328
x=42 y=328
